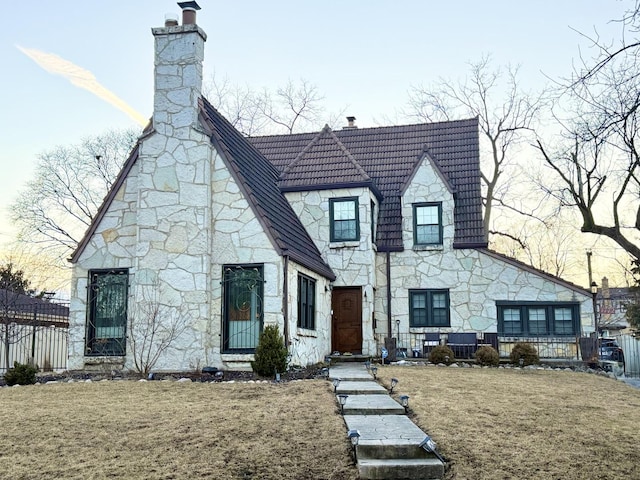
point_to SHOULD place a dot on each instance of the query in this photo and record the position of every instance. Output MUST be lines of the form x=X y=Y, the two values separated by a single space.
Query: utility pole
x=594 y=293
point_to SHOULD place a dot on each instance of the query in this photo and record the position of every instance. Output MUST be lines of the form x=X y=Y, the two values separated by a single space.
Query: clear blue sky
x=360 y=54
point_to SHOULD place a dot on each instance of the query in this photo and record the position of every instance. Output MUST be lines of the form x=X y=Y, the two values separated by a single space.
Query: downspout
x=285 y=300
x=388 y=294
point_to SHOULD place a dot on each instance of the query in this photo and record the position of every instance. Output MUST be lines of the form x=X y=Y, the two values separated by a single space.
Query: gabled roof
x=390 y=155
x=323 y=163
x=259 y=181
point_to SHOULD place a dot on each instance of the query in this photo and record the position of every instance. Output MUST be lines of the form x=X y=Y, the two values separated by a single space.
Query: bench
x=464 y=345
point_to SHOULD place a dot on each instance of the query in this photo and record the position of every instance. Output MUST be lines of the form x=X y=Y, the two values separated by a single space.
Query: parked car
x=611 y=356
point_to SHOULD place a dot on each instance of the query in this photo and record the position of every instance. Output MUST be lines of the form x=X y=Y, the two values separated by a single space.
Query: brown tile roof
x=259 y=181
x=322 y=163
x=389 y=155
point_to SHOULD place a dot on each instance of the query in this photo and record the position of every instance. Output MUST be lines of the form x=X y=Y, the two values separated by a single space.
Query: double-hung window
x=343 y=218
x=429 y=308
x=521 y=319
x=107 y=316
x=427 y=224
x=306 y=302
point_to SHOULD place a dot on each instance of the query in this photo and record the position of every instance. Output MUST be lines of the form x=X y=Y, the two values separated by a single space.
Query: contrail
x=82 y=78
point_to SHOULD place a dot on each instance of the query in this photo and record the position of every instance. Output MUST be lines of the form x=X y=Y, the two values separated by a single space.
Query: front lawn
x=525 y=424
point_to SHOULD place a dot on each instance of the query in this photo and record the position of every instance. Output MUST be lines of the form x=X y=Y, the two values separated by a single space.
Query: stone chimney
x=179 y=53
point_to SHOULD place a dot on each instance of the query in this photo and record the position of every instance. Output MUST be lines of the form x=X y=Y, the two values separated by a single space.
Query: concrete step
x=419 y=468
x=349 y=358
x=354 y=372
x=371 y=405
x=350 y=387
x=387 y=437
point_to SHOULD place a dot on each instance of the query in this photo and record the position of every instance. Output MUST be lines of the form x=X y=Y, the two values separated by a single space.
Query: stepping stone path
x=389 y=444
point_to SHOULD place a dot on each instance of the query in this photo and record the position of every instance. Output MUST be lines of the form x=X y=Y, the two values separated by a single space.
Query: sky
x=362 y=56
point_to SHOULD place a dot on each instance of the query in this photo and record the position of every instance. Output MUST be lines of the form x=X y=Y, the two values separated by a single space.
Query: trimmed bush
x=440 y=353
x=21 y=374
x=526 y=351
x=487 y=356
x=271 y=354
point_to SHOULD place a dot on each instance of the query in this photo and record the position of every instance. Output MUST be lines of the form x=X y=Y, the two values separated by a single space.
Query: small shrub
x=526 y=351
x=440 y=353
x=271 y=354
x=488 y=356
x=21 y=374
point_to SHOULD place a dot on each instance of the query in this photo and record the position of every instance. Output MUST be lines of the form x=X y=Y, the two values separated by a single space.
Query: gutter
x=285 y=301
x=388 y=293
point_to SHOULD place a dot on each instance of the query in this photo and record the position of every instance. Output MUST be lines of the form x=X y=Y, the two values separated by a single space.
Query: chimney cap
x=189 y=5
x=351 y=119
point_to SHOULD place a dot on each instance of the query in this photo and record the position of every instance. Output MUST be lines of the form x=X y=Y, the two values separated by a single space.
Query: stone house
x=341 y=238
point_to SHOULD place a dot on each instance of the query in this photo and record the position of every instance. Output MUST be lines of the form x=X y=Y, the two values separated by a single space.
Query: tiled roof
x=323 y=162
x=259 y=181
x=389 y=156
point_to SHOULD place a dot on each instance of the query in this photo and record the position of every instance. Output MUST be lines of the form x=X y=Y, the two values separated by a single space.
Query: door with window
x=243 y=287
x=346 y=304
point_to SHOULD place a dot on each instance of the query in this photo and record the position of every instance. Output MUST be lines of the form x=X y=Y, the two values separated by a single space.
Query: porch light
x=374 y=370
x=342 y=398
x=404 y=401
x=336 y=383
x=430 y=446
x=394 y=382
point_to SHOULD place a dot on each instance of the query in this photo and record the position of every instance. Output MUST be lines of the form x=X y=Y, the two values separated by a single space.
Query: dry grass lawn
x=513 y=424
x=169 y=430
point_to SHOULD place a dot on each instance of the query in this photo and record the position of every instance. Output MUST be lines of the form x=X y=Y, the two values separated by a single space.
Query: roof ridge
x=346 y=151
x=308 y=147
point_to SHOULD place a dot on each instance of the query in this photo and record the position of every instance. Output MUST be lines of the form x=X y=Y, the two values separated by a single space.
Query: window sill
x=428 y=329
x=237 y=357
x=348 y=244
x=305 y=332
x=104 y=359
x=423 y=248
x=570 y=338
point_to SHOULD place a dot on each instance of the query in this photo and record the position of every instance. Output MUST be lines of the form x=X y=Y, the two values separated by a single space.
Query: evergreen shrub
x=271 y=354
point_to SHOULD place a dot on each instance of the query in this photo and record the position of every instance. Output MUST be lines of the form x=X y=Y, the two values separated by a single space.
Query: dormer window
x=427 y=223
x=343 y=219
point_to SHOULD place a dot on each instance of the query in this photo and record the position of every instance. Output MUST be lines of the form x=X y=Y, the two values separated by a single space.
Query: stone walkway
x=389 y=444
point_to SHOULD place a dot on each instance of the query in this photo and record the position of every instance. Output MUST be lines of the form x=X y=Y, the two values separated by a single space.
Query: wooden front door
x=346 y=304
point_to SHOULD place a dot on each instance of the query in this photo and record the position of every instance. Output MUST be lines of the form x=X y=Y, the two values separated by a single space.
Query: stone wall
x=353 y=262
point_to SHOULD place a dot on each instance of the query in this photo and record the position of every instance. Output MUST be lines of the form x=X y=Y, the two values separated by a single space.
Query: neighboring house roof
x=389 y=156
x=536 y=271
x=259 y=180
x=24 y=309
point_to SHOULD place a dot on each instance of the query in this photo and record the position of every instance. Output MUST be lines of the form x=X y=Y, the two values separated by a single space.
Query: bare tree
x=596 y=162
x=289 y=109
x=504 y=122
x=56 y=207
x=152 y=328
